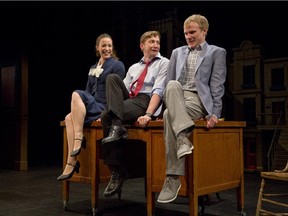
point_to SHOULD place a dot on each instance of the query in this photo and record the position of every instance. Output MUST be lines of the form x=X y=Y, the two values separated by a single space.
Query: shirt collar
x=198 y=48
x=156 y=57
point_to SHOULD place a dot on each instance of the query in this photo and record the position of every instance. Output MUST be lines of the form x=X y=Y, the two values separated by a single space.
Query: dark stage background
x=59 y=38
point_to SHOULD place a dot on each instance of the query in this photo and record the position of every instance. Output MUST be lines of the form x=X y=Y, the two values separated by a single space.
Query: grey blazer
x=210 y=74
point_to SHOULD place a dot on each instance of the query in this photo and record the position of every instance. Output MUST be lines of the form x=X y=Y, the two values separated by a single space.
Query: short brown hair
x=149 y=34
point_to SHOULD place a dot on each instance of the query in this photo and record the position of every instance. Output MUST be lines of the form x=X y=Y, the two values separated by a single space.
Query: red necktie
x=139 y=81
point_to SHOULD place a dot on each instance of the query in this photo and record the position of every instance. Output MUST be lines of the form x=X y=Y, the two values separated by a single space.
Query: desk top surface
x=159 y=123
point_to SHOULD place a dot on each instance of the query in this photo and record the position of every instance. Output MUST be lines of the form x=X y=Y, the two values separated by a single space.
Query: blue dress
x=94 y=97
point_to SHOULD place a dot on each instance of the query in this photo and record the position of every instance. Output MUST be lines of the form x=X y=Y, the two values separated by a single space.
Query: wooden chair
x=274 y=198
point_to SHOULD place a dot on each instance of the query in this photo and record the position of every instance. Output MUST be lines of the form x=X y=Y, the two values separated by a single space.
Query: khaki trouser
x=182 y=107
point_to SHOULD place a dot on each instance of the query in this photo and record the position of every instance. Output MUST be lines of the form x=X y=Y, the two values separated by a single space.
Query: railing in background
x=274 y=141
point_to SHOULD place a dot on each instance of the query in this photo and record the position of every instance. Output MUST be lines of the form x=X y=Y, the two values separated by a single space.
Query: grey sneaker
x=184 y=146
x=169 y=190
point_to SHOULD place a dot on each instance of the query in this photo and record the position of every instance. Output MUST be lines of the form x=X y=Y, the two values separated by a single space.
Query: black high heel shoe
x=115 y=184
x=83 y=144
x=76 y=168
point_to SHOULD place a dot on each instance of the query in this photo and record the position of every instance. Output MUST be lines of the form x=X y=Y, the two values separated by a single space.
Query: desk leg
x=150 y=195
x=193 y=205
x=94 y=195
x=240 y=192
x=66 y=187
x=95 y=172
x=240 y=197
x=66 y=183
x=191 y=186
x=150 y=201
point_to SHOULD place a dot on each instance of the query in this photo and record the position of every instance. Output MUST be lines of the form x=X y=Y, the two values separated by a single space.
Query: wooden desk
x=92 y=168
x=216 y=163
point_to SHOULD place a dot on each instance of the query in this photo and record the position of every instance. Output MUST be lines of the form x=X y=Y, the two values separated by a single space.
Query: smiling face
x=150 y=47
x=150 y=44
x=194 y=35
x=105 y=48
x=195 y=30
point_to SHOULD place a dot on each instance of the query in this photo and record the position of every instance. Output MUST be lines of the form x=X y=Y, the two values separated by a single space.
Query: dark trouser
x=126 y=109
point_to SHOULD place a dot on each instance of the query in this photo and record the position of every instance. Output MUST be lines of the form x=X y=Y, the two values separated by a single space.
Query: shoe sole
x=167 y=201
x=114 y=193
x=124 y=136
x=185 y=153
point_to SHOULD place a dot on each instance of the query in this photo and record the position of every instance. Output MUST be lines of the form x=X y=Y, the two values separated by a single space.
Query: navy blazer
x=96 y=85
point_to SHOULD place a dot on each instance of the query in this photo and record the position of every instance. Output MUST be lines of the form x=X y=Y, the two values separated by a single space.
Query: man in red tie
x=136 y=98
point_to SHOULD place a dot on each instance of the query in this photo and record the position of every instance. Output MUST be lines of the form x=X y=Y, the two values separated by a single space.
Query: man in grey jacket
x=195 y=87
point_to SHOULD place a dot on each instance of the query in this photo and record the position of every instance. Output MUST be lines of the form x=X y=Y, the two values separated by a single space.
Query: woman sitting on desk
x=86 y=106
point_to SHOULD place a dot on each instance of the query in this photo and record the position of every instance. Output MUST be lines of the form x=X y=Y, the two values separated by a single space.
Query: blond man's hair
x=199 y=19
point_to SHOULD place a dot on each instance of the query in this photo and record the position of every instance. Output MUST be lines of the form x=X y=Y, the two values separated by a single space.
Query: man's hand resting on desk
x=143 y=120
x=212 y=121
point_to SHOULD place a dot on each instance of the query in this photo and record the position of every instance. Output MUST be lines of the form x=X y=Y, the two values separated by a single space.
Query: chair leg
x=259 y=203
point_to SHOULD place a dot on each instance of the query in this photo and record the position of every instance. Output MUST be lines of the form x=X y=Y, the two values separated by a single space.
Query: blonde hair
x=199 y=19
x=99 y=38
x=149 y=34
